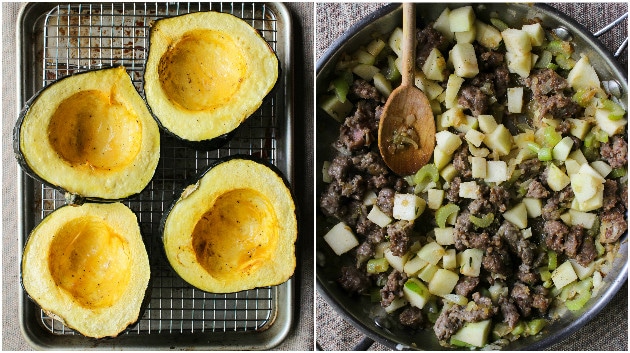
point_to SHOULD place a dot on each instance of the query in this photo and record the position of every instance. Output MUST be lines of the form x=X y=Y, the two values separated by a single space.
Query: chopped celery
x=544 y=59
x=559 y=47
x=578 y=294
x=552 y=262
x=458 y=343
x=591 y=154
x=533 y=146
x=551 y=136
x=484 y=221
x=519 y=328
x=535 y=326
x=375 y=295
x=500 y=25
x=433 y=317
x=428 y=172
x=583 y=96
x=545 y=154
x=500 y=329
x=601 y=136
x=600 y=248
x=617 y=173
x=442 y=214
x=616 y=111
x=565 y=62
x=377 y=265
x=341 y=88
x=590 y=140
x=545 y=274
x=552 y=66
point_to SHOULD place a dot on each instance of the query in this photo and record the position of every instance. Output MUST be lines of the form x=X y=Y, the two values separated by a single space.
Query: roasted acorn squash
x=234 y=229
x=206 y=72
x=89 y=134
x=87 y=266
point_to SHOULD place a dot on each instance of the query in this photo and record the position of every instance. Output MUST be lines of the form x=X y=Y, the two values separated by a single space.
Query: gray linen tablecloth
x=609 y=329
x=301 y=336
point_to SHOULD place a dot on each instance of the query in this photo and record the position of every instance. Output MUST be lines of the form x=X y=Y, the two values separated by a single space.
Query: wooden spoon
x=406 y=131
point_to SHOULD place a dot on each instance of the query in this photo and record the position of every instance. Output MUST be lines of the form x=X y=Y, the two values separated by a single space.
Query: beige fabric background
x=609 y=329
x=301 y=336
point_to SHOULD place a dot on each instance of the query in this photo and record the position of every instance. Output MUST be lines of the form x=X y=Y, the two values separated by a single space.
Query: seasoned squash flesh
x=91 y=128
x=237 y=235
x=90 y=261
x=202 y=70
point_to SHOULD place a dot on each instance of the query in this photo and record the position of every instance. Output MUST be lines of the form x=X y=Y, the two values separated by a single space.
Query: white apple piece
x=581 y=271
x=365 y=71
x=583 y=75
x=440 y=157
x=430 y=88
x=469 y=190
x=416 y=293
x=325 y=176
x=526 y=233
x=370 y=198
x=413 y=266
x=466 y=37
x=382 y=84
x=602 y=168
x=478 y=166
x=408 y=207
x=452 y=117
x=464 y=60
x=435 y=198
x=609 y=126
x=447 y=141
x=427 y=272
x=496 y=172
x=487 y=123
x=562 y=149
x=516 y=41
x=475 y=137
x=517 y=215
x=556 y=178
x=487 y=35
x=448 y=172
x=379 y=217
x=469 y=122
x=445 y=236
x=571 y=166
x=500 y=140
x=462 y=19
x=337 y=109
x=435 y=66
x=515 y=99
x=584 y=219
x=533 y=206
x=443 y=282
x=470 y=264
x=431 y=252
x=474 y=333
x=578 y=156
x=519 y=63
x=536 y=34
x=563 y=275
x=395 y=41
x=395 y=305
x=449 y=260
x=453 y=85
x=341 y=239
x=579 y=127
x=397 y=262
x=443 y=24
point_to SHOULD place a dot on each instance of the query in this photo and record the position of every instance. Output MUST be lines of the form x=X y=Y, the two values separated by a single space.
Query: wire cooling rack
x=79 y=37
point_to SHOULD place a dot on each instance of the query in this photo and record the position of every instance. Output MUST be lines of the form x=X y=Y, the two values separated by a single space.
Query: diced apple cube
x=469 y=190
x=583 y=75
x=591 y=204
x=536 y=34
x=496 y=172
x=395 y=305
x=516 y=41
x=470 y=264
x=382 y=84
x=445 y=236
x=478 y=166
x=435 y=65
x=449 y=260
x=443 y=24
x=341 y=239
x=416 y=293
x=408 y=206
x=469 y=122
x=370 y=198
x=427 y=272
x=379 y=250
x=431 y=252
x=448 y=173
x=453 y=85
x=325 y=176
x=579 y=127
x=435 y=198
x=562 y=149
x=584 y=186
x=443 y=282
x=517 y=215
x=452 y=117
x=578 y=156
x=533 y=206
x=474 y=333
x=584 y=219
x=441 y=158
x=515 y=99
x=571 y=166
x=466 y=37
x=379 y=217
x=430 y=88
x=413 y=266
x=499 y=140
x=526 y=233
x=395 y=41
x=447 y=141
x=335 y=108
x=487 y=35
x=581 y=271
x=587 y=169
x=519 y=63
x=464 y=60
x=487 y=123
x=397 y=262
x=602 y=168
x=609 y=126
x=556 y=179
x=462 y=19
x=475 y=137
x=563 y=275
x=365 y=71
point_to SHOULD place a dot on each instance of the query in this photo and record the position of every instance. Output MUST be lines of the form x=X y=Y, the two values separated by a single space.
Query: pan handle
x=364 y=345
x=610 y=26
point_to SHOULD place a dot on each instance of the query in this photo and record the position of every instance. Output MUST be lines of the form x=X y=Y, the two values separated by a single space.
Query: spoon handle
x=409 y=43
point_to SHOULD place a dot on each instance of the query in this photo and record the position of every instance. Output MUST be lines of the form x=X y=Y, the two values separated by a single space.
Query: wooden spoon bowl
x=406 y=132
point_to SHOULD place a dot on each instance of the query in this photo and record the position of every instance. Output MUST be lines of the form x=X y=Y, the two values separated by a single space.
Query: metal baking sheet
x=57 y=40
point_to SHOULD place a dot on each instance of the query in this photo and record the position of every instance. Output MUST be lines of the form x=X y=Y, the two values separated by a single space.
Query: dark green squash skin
x=146 y=300
x=197 y=178
x=71 y=198
x=218 y=141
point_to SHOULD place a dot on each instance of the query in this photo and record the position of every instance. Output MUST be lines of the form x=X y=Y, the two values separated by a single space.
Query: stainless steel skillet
x=383 y=21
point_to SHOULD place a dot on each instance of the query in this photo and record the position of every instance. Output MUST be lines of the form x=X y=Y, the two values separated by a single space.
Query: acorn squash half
x=234 y=229
x=89 y=134
x=88 y=267
x=206 y=72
